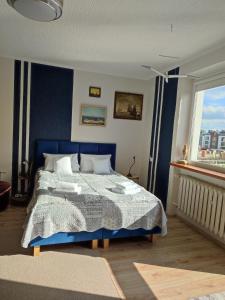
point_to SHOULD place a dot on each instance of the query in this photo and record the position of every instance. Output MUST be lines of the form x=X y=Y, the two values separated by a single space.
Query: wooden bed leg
x=94 y=244
x=150 y=238
x=36 y=251
x=106 y=243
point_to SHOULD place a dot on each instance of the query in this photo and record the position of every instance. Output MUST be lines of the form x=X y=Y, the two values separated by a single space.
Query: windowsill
x=208 y=166
x=199 y=170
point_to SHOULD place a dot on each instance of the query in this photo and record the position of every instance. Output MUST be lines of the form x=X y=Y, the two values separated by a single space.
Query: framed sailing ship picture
x=128 y=106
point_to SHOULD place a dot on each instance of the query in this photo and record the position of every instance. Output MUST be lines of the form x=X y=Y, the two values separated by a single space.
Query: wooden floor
x=182 y=265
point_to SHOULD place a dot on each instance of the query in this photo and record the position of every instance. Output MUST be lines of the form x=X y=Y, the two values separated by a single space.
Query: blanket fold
x=68 y=186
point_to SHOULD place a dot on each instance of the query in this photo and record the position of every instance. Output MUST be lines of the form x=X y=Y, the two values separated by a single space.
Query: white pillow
x=74 y=161
x=50 y=160
x=101 y=166
x=86 y=163
x=63 y=166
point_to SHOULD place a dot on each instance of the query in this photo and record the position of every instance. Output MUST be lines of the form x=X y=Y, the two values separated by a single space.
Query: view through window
x=210 y=121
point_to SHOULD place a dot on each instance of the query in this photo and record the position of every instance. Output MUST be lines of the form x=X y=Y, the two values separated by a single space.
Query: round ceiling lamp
x=39 y=10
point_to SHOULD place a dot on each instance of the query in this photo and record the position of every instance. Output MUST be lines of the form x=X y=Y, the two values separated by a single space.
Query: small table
x=5 y=189
x=20 y=200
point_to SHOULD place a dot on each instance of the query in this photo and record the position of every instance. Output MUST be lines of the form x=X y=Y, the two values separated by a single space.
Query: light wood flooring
x=182 y=265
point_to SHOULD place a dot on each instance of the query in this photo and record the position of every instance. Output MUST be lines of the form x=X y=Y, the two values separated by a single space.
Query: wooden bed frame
x=37 y=249
x=94 y=245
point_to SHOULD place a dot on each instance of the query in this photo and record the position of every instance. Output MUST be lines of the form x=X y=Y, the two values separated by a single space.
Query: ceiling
x=116 y=36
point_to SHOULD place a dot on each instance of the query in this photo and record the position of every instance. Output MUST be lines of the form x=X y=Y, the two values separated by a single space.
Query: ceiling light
x=39 y=10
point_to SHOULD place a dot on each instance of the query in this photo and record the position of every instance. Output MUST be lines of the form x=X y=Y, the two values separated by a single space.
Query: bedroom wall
x=206 y=66
x=6 y=116
x=132 y=137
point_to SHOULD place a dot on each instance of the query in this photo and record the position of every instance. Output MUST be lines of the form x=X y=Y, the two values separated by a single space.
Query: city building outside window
x=208 y=136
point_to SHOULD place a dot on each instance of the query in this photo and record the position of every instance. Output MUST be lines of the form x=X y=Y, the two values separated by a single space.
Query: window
x=208 y=138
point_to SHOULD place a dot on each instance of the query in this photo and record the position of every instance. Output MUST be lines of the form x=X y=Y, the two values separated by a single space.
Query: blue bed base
x=68 y=147
x=73 y=237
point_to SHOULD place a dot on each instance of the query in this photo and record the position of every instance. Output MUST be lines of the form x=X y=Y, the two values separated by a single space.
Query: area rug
x=218 y=296
x=72 y=272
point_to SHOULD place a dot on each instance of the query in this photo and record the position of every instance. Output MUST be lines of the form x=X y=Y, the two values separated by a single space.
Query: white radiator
x=203 y=205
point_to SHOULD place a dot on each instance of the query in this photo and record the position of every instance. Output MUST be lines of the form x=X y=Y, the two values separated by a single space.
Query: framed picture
x=94 y=91
x=128 y=106
x=93 y=115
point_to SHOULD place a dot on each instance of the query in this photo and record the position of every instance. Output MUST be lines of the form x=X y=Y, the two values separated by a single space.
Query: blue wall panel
x=51 y=103
x=162 y=135
x=16 y=112
x=166 y=137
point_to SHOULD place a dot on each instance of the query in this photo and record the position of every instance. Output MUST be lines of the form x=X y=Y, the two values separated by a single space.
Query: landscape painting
x=128 y=106
x=93 y=115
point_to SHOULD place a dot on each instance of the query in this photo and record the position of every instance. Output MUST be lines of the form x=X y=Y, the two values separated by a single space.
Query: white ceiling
x=116 y=36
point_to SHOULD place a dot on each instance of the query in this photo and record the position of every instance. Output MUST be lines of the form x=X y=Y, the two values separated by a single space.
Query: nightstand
x=20 y=200
x=134 y=178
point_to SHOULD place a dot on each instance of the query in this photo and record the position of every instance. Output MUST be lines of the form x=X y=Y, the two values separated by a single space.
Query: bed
x=96 y=214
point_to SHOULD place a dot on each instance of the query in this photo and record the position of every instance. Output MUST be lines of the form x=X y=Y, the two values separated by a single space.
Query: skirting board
x=200 y=229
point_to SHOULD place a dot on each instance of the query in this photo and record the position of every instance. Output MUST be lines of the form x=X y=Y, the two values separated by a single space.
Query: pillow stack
x=66 y=164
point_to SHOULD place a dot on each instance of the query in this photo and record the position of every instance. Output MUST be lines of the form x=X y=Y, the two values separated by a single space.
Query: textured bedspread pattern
x=96 y=207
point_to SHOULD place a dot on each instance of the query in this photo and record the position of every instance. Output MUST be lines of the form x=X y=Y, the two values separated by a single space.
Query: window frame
x=198 y=86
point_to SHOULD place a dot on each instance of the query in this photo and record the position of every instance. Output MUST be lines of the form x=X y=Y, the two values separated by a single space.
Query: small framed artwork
x=93 y=115
x=128 y=106
x=94 y=91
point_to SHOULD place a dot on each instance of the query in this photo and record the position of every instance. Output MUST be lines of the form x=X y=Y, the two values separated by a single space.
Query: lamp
x=133 y=163
x=39 y=10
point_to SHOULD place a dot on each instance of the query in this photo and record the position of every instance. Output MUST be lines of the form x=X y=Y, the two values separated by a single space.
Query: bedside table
x=134 y=178
x=20 y=200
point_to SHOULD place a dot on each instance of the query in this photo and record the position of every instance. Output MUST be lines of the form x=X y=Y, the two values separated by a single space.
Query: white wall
x=132 y=137
x=6 y=116
x=206 y=66
x=146 y=135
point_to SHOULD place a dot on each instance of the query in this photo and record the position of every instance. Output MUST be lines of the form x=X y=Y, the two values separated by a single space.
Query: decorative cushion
x=86 y=163
x=50 y=161
x=101 y=166
x=63 y=166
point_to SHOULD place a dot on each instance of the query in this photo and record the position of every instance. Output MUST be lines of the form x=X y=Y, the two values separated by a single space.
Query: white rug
x=60 y=273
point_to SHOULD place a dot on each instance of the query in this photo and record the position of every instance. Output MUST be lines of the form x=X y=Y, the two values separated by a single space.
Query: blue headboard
x=68 y=147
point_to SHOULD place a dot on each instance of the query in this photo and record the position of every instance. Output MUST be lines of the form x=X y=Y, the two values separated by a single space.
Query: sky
x=214 y=109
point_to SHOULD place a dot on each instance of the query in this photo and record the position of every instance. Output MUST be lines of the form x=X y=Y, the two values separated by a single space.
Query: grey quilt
x=95 y=208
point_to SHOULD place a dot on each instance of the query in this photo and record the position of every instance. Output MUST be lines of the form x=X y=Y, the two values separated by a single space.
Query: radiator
x=203 y=205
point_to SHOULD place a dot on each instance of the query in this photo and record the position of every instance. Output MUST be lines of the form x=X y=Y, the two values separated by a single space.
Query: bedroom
x=139 y=85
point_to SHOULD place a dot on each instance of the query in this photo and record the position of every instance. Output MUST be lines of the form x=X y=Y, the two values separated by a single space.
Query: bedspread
x=95 y=208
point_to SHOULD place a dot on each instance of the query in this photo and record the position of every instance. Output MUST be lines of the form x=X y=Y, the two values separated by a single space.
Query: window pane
x=211 y=147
